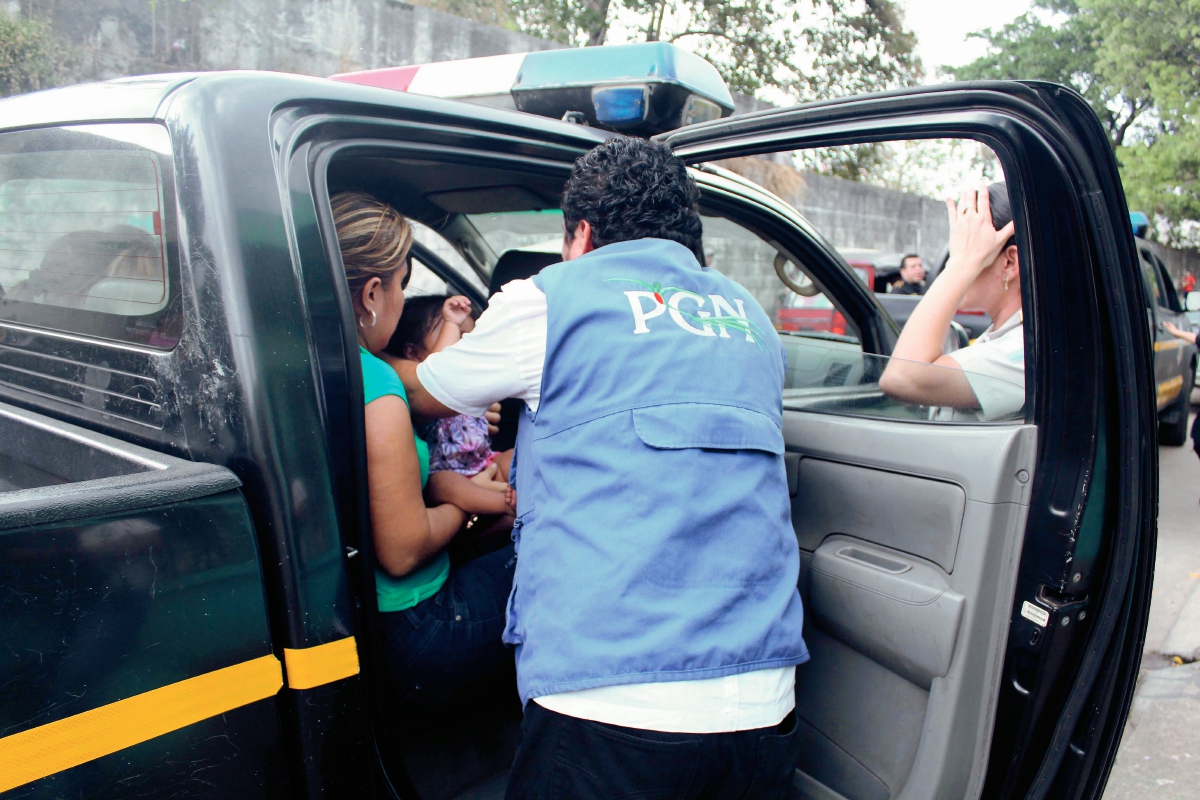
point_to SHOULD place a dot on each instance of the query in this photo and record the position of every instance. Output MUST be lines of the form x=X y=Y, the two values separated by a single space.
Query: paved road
x=1160 y=751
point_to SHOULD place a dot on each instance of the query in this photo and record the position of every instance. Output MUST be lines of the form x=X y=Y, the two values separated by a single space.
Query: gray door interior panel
x=889 y=606
x=865 y=750
x=910 y=536
x=915 y=515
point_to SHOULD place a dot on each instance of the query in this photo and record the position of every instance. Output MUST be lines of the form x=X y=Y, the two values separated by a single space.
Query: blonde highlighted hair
x=374 y=238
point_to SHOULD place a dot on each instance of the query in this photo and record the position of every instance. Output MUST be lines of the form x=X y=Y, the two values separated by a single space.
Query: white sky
x=942 y=27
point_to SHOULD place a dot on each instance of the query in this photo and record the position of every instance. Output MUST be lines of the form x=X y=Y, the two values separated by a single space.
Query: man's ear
x=577 y=242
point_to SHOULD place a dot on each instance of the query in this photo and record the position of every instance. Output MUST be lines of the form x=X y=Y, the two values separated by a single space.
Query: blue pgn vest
x=654 y=533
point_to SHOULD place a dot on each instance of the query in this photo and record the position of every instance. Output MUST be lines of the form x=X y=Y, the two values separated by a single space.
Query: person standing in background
x=912 y=276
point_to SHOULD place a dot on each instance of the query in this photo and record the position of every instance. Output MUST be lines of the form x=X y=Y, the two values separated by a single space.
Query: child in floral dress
x=463 y=469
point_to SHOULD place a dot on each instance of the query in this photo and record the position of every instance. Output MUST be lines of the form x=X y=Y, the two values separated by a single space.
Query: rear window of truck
x=87 y=243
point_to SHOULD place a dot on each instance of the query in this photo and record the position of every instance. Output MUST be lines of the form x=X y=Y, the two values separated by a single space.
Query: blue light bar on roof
x=604 y=83
x=597 y=85
x=1140 y=223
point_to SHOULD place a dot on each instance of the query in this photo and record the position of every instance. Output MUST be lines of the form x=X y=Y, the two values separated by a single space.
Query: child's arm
x=455 y=313
x=471 y=497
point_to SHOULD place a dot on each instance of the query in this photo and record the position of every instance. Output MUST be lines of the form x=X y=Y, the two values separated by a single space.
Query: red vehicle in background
x=816 y=313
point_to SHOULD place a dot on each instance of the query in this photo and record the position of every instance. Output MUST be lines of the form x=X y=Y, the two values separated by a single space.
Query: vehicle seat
x=514 y=265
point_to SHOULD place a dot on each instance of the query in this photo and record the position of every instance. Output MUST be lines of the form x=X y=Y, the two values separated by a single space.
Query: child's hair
x=420 y=314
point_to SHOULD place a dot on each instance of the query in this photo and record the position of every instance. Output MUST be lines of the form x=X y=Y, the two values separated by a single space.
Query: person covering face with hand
x=985 y=381
x=654 y=611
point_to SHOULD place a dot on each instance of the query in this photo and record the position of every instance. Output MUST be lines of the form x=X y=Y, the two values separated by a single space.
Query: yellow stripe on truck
x=55 y=746
x=1167 y=390
x=325 y=663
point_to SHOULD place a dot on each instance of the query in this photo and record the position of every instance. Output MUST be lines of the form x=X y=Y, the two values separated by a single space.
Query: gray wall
x=859 y=215
x=310 y=37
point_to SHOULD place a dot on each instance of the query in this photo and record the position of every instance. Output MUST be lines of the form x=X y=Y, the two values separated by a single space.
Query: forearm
x=461 y=491
x=450 y=334
x=408 y=552
x=925 y=332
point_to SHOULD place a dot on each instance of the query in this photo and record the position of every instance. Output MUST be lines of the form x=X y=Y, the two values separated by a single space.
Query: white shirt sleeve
x=502 y=357
x=996 y=371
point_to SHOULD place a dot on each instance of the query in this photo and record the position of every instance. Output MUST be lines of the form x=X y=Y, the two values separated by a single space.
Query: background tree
x=1136 y=63
x=31 y=57
x=802 y=49
x=1154 y=42
x=1065 y=52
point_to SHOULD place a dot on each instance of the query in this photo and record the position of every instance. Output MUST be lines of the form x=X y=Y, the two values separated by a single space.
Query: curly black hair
x=630 y=188
x=420 y=314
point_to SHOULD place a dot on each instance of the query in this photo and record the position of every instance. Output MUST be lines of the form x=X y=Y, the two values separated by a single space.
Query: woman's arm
x=912 y=374
x=1187 y=336
x=406 y=533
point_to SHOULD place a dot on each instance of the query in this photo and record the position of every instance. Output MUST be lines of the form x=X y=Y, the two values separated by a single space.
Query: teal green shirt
x=397 y=594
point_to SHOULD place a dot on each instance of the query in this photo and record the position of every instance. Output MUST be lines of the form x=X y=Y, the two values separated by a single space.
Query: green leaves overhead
x=1137 y=62
x=806 y=49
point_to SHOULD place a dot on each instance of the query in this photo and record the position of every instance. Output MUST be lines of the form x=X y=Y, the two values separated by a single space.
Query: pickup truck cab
x=186 y=571
x=1174 y=359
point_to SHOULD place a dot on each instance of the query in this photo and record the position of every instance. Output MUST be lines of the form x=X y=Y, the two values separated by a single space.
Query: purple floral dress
x=458 y=444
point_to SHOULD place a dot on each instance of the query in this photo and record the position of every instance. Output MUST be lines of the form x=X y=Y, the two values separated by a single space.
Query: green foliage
x=1137 y=64
x=806 y=48
x=1153 y=43
x=1029 y=49
x=31 y=57
x=1163 y=178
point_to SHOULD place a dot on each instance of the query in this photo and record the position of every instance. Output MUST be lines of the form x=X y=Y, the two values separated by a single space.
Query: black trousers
x=564 y=757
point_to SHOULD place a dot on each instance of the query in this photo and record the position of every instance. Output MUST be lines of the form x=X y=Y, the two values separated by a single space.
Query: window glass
x=877 y=204
x=1150 y=274
x=784 y=290
x=540 y=231
x=1170 y=297
x=86 y=232
x=424 y=281
x=424 y=277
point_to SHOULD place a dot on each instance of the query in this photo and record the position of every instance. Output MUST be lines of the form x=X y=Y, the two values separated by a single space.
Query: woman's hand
x=492 y=415
x=974 y=242
x=1178 y=333
x=487 y=479
x=456 y=310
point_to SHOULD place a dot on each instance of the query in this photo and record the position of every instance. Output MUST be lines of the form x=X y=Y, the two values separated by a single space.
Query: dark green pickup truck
x=186 y=576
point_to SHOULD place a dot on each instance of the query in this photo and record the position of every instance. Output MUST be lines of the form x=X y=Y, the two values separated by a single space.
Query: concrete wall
x=310 y=37
x=859 y=215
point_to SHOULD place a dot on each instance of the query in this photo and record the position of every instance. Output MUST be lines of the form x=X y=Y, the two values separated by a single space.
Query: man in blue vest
x=654 y=608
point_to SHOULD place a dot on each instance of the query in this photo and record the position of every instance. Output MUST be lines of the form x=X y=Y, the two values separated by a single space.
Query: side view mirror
x=1193 y=301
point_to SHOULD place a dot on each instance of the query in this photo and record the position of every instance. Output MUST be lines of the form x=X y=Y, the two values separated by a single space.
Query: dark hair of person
x=374 y=238
x=420 y=314
x=628 y=188
x=1001 y=209
x=904 y=259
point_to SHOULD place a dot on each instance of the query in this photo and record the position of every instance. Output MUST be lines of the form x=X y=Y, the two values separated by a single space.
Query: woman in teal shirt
x=442 y=624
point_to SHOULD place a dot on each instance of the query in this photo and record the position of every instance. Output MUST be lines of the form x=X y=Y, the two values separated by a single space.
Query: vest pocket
x=685 y=426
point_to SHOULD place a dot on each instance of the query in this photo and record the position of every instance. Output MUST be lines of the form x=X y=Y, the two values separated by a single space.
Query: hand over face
x=974 y=242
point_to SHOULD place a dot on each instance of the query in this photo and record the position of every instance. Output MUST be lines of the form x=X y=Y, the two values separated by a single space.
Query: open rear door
x=977 y=590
